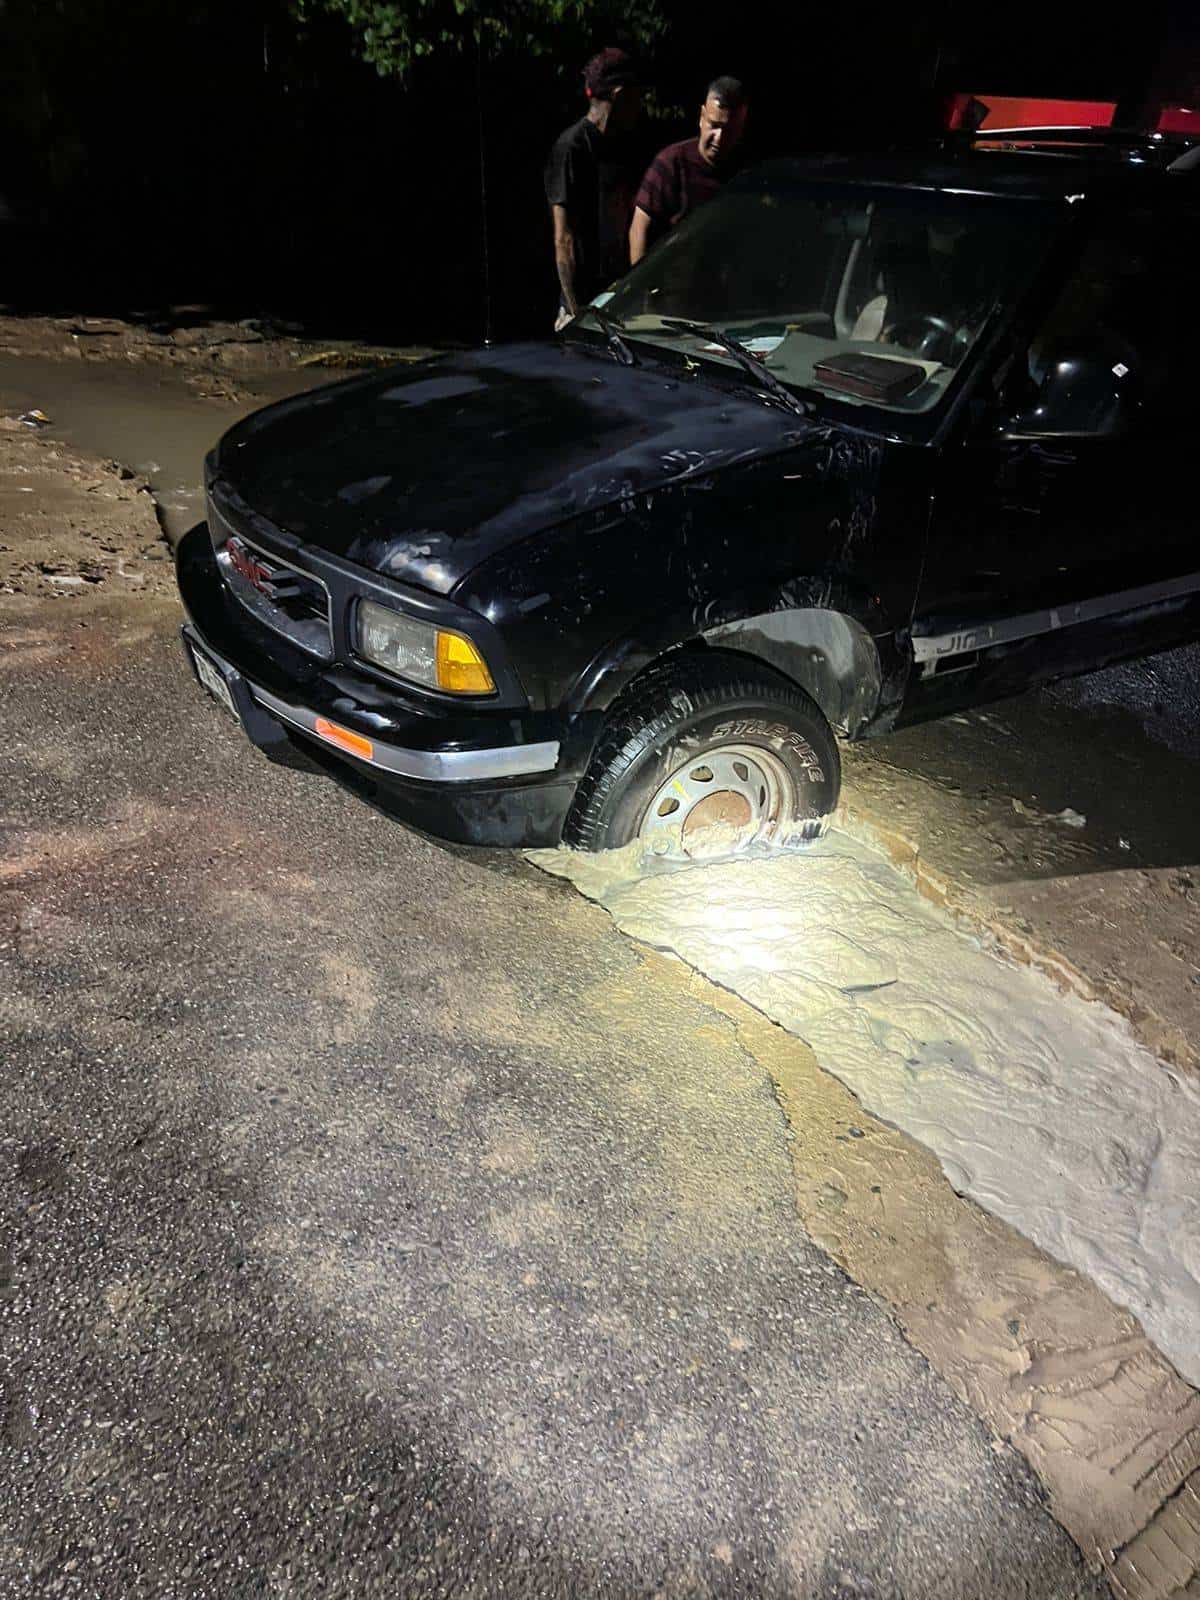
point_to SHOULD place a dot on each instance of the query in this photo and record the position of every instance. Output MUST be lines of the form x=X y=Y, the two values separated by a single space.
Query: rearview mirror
x=1074 y=389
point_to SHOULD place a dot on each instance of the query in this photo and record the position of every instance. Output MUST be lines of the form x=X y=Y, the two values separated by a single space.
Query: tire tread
x=644 y=711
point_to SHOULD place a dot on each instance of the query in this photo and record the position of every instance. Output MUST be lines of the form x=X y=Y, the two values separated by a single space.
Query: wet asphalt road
x=377 y=1221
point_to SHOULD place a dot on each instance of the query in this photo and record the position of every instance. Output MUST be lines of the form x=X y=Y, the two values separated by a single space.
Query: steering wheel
x=931 y=337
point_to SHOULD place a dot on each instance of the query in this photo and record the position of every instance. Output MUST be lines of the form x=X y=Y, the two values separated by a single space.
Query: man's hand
x=564 y=257
x=639 y=235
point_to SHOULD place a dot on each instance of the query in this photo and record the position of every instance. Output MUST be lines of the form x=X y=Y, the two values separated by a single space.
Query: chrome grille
x=282 y=596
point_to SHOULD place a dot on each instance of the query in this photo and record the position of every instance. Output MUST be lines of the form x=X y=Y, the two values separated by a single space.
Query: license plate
x=213 y=680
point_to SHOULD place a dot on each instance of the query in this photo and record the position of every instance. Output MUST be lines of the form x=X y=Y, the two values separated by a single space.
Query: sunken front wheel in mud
x=706 y=754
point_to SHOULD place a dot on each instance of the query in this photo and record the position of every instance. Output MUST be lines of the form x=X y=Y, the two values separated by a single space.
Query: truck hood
x=419 y=474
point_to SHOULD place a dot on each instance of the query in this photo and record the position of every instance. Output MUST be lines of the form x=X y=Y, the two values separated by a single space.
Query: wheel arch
x=827 y=652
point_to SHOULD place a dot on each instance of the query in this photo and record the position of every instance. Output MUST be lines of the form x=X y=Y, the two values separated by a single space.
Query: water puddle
x=145 y=416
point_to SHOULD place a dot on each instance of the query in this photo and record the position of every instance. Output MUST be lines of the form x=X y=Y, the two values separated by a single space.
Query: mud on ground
x=1064 y=828
x=73 y=526
x=214 y=353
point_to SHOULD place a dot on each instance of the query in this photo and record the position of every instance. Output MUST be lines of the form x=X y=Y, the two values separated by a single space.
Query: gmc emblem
x=251 y=568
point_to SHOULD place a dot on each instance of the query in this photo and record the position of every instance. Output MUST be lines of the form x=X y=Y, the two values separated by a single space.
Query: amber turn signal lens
x=353 y=742
x=460 y=667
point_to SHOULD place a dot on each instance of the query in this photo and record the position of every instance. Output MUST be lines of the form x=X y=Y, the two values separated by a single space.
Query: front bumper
x=490 y=778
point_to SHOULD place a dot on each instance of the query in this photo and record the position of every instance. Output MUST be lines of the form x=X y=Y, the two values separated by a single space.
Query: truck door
x=1064 y=530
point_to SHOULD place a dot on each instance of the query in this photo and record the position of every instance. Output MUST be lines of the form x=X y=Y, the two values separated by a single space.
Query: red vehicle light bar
x=1011 y=111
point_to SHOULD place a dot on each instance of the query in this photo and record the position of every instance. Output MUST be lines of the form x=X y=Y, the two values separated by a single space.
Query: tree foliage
x=394 y=34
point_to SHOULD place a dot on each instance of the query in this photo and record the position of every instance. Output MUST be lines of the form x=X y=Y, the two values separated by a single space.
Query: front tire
x=706 y=754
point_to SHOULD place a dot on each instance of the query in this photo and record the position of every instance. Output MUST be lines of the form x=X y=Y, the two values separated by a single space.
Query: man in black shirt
x=590 y=179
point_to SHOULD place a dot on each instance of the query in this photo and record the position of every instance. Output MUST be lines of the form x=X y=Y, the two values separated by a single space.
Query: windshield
x=875 y=296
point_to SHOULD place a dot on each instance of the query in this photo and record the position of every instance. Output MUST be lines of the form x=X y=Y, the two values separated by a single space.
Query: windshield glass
x=812 y=279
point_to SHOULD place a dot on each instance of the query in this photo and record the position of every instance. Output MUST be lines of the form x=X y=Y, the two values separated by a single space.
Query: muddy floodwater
x=146 y=416
x=1040 y=1107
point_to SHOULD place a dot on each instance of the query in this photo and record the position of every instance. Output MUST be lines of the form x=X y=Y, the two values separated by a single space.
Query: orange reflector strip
x=354 y=742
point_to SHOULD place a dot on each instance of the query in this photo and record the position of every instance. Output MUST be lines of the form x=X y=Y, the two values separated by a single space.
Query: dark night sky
x=207 y=151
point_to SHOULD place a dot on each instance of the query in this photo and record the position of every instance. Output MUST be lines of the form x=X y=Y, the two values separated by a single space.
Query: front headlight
x=420 y=651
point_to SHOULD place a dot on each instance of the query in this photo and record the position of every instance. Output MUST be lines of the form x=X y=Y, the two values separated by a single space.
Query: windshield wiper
x=611 y=327
x=749 y=363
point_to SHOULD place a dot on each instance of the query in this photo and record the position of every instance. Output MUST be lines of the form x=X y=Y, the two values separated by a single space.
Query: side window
x=1106 y=300
x=1103 y=353
x=1178 y=326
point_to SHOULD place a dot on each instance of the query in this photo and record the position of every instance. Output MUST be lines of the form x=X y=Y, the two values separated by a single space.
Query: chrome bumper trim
x=426 y=766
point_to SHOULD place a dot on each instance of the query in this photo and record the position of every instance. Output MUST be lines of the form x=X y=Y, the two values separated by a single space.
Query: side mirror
x=1075 y=388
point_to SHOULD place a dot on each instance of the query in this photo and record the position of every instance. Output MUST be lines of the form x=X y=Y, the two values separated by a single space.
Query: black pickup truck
x=862 y=442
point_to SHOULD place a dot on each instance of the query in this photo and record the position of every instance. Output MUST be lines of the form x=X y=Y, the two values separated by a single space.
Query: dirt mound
x=71 y=525
x=215 y=355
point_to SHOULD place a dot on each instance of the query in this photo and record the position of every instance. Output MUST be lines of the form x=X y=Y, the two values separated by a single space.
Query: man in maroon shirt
x=685 y=175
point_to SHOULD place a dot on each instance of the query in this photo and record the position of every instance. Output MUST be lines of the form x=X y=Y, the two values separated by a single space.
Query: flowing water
x=1041 y=1107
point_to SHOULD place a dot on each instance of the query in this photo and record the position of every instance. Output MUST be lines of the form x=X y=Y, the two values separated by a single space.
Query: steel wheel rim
x=722 y=800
